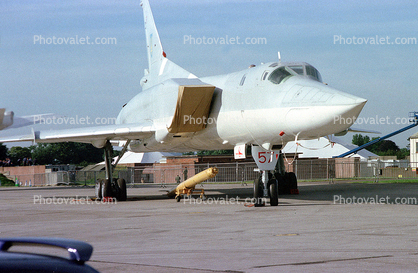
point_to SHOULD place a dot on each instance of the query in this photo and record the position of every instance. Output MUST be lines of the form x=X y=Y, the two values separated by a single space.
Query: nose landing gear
x=267 y=184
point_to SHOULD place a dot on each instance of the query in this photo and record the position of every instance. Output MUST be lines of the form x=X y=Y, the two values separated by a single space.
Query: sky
x=94 y=81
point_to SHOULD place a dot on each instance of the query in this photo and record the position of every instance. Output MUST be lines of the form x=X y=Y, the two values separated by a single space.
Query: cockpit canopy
x=288 y=70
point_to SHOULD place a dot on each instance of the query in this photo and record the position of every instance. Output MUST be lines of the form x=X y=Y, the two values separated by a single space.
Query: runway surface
x=326 y=228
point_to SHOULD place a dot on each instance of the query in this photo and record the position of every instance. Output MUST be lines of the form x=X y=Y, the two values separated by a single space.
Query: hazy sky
x=96 y=80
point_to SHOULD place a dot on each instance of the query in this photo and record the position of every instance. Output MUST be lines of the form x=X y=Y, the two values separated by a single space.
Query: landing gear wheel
x=122 y=195
x=178 y=198
x=284 y=186
x=98 y=189
x=258 y=192
x=106 y=188
x=274 y=192
x=291 y=177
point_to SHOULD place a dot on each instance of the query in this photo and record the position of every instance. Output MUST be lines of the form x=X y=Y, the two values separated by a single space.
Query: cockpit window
x=243 y=80
x=293 y=69
x=265 y=73
x=278 y=75
x=297 y=68
x=312 y=72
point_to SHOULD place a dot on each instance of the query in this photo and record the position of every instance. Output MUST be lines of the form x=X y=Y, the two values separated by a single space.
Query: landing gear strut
x=111 y=187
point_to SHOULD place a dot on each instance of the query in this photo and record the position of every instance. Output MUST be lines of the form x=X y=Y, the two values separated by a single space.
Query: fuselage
x=269 y=104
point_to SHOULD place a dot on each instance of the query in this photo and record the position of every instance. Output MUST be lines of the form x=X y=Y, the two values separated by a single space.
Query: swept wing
x=98 y=136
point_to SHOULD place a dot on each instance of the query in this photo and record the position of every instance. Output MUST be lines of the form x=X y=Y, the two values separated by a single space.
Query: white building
x=413 y=151
x=153 y=157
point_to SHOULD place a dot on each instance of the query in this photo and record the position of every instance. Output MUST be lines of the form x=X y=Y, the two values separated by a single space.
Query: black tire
x=292 y=180
x=98 y=189
x=284 y=184
x=274 y=192
x=258 y=192
x=178 y=198
x=106 y=188
x=258 y=188
x=122 y=194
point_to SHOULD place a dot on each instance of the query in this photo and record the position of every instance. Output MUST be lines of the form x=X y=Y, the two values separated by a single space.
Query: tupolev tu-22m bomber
x=263 y=107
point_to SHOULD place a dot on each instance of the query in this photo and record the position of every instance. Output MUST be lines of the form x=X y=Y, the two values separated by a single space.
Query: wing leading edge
x=98 y=136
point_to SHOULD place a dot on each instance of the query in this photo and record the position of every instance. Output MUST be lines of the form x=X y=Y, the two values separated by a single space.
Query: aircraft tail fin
x=154 y=48
x=159 y=67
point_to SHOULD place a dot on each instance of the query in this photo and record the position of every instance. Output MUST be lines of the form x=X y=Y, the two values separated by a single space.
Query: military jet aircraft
x=264 y=106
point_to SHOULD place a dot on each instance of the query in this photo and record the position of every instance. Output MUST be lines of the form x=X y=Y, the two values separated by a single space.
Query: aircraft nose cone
x=337 y=112
x=358 y=101
x=361 y=101
x=340 y=98
x=347 y=110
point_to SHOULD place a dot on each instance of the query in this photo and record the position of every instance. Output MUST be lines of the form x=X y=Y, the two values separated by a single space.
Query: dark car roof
x=33 y=262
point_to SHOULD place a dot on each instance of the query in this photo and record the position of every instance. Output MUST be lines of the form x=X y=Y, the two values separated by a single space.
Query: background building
x=413 y=156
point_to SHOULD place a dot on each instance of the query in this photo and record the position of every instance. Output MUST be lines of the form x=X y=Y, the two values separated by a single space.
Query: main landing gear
x=111 y=187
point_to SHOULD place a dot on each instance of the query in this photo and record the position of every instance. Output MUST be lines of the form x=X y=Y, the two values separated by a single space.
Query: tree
x=387 y=145
x=382 y=148
x=66 y=153
x=216 y=152
x=359 y=139
x=43 y=153
x=18 y=153
x=3 y=151
x=403 y=153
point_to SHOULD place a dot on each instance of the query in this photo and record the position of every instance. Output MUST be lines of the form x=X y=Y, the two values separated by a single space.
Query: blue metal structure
x=413 y=115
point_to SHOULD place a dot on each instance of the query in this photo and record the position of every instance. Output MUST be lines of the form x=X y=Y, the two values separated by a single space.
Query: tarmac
x=343 y=227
